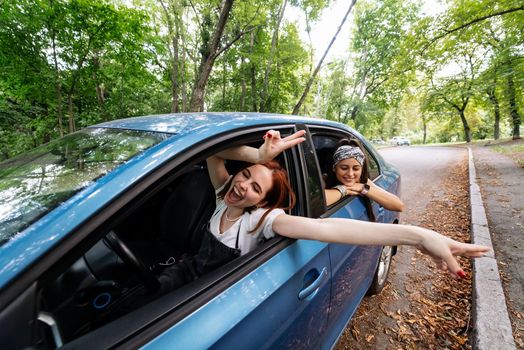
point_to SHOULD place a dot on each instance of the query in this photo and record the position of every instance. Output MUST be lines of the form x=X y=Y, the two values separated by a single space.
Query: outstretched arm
x=386 y=199
x=273 y=145
x=442 y=249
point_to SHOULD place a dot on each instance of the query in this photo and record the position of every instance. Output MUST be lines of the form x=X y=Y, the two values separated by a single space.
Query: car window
x=325 y=143
x=314 y=183
x=115 y=276
x=374 y=170
x=36 y=182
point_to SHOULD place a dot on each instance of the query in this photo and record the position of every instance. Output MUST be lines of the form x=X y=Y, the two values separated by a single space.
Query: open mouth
x=234 y=195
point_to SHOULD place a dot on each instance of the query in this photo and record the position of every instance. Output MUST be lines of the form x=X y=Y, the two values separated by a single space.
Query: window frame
x=331 y=132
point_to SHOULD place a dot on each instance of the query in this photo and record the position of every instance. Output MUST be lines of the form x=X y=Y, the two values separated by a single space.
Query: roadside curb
x=491 y=324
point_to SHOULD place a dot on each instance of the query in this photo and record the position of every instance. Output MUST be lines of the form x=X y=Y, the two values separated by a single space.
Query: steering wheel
x=123 y=251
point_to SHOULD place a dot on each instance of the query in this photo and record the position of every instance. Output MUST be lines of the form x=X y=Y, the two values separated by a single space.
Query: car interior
x=117 y=273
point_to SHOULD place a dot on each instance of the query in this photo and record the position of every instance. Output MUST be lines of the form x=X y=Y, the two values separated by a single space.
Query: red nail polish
x=461 y=274
x=269 y=135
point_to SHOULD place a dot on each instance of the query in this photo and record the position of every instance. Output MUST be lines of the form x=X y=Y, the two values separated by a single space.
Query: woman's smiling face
x=249 y=187
x=348 y=171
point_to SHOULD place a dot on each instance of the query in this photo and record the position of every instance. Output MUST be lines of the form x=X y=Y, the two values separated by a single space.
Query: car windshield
x=34 y=183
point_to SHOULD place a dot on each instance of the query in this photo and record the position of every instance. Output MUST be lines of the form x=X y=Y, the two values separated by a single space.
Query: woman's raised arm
x=273 y=145
x=347 y=231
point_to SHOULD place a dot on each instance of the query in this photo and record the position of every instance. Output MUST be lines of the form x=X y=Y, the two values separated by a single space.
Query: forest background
x=455 y=75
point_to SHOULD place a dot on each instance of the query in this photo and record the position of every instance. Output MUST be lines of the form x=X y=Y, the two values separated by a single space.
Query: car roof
x=184 y=123
x=187 y=129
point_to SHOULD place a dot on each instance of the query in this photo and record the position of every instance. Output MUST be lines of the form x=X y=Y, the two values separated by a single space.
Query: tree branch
x=476 y=20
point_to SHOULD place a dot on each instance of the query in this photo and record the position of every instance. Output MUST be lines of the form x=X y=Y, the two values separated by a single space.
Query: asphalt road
x=423 y=169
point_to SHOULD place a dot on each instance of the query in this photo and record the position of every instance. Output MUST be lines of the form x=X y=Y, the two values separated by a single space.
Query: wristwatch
x=342 y=189
x=365 y=190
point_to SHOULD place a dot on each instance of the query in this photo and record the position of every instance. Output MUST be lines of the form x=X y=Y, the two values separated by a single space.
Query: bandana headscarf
x=346 y=152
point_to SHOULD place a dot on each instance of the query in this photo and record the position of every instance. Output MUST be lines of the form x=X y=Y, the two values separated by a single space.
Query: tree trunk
x=174 y=75
x=496 y=107
x=253 y=75
x=224 y=78
x=513 y=112
x=274 y=39
x=99 y=89
x=58 y=87
x=243 y=87
x=354 y=112
x=71 y=118
x=183 y=82
x=312 y=78
x=208 y=59
x=425 y=129
x=467 y=130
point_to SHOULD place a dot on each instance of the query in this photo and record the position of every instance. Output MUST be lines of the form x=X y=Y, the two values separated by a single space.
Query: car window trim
x=305 y=172
x=338 y=133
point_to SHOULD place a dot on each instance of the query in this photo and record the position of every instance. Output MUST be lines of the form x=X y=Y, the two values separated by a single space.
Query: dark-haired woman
x=350 y=177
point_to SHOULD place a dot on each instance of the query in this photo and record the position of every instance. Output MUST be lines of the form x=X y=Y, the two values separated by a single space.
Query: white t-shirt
x=247 y=240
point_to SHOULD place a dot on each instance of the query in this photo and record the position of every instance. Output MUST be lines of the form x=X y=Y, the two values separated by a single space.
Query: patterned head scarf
x=346 y=152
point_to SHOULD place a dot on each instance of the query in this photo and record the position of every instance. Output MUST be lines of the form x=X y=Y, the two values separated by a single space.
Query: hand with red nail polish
x=443 y=250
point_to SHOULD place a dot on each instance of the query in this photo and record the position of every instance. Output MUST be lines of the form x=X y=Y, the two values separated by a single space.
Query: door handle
x=312 y=288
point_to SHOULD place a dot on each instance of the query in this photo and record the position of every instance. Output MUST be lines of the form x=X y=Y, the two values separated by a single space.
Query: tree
x=319 y=64
x=381 y=62
x=496 y=27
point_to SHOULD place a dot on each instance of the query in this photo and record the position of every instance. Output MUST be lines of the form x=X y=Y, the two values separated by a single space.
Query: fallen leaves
x=438 y=316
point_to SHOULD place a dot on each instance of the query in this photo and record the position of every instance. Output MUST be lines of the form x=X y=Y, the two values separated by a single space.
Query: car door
x=352 y=266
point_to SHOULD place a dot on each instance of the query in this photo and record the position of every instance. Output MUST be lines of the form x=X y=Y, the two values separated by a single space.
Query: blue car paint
x=225 y=313
x=352 y=274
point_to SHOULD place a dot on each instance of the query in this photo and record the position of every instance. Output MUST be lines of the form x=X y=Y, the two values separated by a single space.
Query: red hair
x=280 y=195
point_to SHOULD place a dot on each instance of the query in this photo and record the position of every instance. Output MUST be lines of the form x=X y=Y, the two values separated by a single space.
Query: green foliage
x=67 y=64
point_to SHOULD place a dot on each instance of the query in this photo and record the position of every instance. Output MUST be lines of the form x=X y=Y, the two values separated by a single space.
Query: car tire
x=382 y=271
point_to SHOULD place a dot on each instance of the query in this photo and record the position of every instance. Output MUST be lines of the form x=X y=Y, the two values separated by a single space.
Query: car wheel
x=382 y=271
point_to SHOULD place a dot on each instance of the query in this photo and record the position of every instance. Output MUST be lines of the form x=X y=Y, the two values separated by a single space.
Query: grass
x=513 y=149
x=510 y=148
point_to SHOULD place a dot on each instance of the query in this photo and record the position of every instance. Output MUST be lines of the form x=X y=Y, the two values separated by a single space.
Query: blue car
x=89 y=220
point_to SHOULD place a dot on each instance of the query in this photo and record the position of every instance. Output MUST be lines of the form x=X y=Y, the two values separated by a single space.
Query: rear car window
x=34 y=183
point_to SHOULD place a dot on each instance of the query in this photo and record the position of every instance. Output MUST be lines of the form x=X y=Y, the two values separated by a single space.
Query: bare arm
x=273 y=145
x=332 y=196
x=347 y=231
x=386 y=199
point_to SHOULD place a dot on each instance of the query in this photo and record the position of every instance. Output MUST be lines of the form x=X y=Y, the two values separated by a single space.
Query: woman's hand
x=355 y=189
x=274 y=144
x=443 y=251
